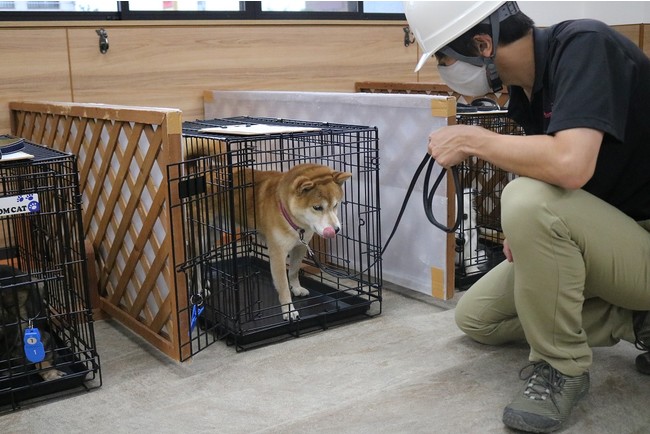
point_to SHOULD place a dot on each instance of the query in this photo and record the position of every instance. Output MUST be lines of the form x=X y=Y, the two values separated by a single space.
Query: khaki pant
x=580 y=268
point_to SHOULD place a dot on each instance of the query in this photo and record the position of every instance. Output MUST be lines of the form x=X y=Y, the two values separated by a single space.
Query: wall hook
x=407 y=36
x=103 y=40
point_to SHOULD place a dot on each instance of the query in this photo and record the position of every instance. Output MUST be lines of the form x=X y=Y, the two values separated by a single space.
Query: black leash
x=427 y=201
x=428 y=196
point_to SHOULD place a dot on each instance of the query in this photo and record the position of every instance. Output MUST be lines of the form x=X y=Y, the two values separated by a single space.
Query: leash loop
x=428 y=196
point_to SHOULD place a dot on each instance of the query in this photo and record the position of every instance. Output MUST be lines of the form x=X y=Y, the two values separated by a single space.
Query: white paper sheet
x=15 y=156
x=256 y=129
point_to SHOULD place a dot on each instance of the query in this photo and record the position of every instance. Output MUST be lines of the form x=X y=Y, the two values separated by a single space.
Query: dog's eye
x=317 y=208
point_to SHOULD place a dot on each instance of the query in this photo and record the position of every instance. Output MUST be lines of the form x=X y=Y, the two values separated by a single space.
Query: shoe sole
x=643 y=363
x=515 y=421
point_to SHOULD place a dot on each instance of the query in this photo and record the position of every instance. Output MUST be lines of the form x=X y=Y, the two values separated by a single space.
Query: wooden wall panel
x=34 y=66
x=632 y=31
x=171 y=66
x=162 y=65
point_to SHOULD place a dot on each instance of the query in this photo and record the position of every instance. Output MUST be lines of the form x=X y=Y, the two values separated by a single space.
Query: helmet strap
x=506 y=10
x=492 y=73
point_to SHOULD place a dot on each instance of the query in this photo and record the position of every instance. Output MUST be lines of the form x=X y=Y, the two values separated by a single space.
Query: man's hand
x=450 y=145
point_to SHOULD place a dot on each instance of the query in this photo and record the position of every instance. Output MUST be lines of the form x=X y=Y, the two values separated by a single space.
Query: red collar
x=285 y=214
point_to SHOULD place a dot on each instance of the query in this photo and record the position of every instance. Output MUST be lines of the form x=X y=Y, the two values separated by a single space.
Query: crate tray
x=260 y=320
x=24 y=386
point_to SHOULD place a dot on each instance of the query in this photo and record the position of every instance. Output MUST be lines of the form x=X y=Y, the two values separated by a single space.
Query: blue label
x=34 y=350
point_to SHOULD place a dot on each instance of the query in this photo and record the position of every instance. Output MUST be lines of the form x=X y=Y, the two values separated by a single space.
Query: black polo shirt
x=590 y=76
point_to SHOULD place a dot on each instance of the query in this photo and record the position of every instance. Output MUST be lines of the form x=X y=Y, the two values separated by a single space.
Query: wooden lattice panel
x=123 y=153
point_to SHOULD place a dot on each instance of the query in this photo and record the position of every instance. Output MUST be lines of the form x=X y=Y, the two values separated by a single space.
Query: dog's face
x=317 y=194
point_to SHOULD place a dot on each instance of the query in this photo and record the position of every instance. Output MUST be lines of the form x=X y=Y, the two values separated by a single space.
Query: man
x=577 y=219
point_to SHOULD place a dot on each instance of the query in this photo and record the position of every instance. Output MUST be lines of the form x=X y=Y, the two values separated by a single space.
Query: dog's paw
x=52 y=374
x=299 y=291
x=290 y=313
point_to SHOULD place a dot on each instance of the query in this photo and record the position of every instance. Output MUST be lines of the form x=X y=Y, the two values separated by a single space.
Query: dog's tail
x=195 y=147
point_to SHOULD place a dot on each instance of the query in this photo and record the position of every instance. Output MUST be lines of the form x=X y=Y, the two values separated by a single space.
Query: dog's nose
x=337 y=229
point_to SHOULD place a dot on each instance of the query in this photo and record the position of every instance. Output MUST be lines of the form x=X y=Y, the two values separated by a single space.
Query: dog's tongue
x=329 y=232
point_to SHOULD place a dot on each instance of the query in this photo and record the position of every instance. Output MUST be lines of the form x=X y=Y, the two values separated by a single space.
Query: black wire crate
x=229 y=292
x=479 y=239
x=47 y=341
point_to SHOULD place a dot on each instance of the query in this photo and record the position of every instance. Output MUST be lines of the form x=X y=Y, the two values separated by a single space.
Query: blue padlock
x=34 y=350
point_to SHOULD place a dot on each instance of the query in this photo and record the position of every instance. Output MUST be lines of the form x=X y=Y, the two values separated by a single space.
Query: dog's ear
x=302 y=184
x=341 y=177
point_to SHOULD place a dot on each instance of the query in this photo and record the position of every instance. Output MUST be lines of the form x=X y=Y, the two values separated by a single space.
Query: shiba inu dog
x=21 y=302
x=290 y=207
x=286 y=209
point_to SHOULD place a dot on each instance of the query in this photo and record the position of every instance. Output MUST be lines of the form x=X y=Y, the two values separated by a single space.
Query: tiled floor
x=408 y=370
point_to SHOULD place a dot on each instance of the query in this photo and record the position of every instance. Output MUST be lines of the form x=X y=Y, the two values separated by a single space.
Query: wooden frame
x=426 y=88
x=123 y=153
x=447 y=109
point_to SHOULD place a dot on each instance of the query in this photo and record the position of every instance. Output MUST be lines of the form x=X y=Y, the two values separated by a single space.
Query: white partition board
x=418 y=250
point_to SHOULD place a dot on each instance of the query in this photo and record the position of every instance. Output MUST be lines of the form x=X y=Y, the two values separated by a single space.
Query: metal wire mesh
x=479 y=238
x=43 y=278
x=243 y=306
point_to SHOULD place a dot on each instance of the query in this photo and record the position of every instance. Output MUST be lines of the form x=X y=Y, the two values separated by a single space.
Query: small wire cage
x=479 y=239
x=43 y=280
x=242 y=306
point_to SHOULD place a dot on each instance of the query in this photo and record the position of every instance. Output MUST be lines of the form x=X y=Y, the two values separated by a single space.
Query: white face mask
x=465 y=78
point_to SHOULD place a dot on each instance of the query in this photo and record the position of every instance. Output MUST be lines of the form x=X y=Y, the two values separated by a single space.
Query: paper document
x=257 y=129
x=11 y=150
x=16 y=156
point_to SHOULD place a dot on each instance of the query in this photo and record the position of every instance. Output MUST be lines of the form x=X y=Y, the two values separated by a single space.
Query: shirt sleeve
x=592 y=82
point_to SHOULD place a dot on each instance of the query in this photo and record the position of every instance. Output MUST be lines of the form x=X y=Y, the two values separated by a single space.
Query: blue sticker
x=34 y=206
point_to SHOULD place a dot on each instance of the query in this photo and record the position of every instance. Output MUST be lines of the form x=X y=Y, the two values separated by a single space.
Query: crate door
x=209 y=247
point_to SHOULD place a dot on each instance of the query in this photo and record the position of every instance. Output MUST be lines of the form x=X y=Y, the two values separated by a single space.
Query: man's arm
x=567 y=159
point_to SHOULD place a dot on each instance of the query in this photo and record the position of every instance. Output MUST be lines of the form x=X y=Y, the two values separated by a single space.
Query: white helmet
x=437 y=23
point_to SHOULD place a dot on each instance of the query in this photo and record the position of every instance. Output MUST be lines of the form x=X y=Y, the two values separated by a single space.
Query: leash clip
x=302 y=240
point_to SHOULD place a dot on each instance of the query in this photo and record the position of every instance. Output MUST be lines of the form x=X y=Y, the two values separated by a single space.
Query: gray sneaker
x=642 y=335
x=547 y=399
